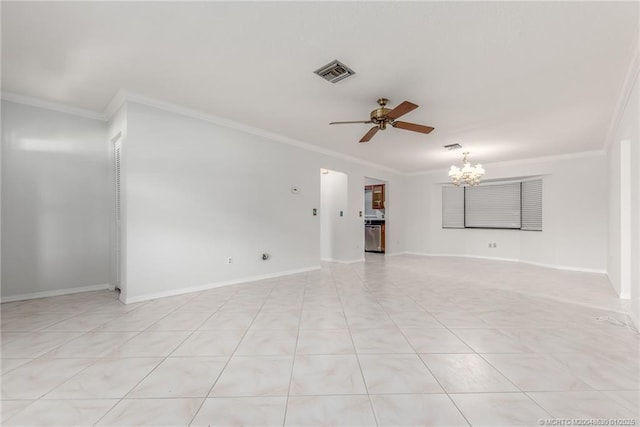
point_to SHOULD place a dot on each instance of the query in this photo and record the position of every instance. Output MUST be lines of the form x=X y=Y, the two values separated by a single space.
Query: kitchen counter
x=374 y=222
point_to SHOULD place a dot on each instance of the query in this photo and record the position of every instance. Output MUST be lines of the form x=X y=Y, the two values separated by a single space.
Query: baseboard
x=55 y=293
x=567 y=267
x=462 y=256
x=341 y=261
x=395 y=253
x=539 y=264
x=197 y=288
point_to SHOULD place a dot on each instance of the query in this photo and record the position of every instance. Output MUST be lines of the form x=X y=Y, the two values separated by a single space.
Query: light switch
x=341 y=213
x=315 y=211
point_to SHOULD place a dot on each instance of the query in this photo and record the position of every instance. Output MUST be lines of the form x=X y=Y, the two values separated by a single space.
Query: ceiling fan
x=383 y=116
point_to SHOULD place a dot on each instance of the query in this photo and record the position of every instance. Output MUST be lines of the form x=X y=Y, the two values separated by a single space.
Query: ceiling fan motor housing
x=380 y=115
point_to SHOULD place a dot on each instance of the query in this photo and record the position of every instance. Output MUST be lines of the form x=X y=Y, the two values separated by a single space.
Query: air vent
x=453 y=147
x=334 y=71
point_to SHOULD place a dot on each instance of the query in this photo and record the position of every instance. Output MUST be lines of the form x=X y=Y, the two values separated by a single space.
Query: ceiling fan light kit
x=383 y=116
x=469 y=175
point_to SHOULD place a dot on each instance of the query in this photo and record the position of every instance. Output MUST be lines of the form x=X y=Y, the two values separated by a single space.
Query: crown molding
x=114 y=105
x=123 y=97
x=557 y=157
x=61 y=108
x=625 y=95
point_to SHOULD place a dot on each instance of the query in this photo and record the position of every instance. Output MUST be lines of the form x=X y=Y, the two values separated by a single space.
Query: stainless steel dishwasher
x=373 y=238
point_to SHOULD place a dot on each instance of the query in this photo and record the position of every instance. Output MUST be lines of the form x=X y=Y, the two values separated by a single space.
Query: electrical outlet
x=229 y=260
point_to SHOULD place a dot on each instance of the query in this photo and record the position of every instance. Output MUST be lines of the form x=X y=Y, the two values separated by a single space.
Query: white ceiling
x=507 y=80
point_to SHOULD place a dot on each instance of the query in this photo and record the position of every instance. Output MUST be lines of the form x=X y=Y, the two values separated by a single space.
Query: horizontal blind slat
x=452 y=207
x=532 y=205
x=493 y=206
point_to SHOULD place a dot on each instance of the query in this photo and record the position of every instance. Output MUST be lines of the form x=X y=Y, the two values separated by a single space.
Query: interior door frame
x=116 y=251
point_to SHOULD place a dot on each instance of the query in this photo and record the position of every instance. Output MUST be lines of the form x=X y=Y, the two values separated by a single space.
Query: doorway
x=375 y=205
x=117 y=237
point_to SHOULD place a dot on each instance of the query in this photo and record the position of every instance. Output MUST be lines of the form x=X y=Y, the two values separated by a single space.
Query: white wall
x=623 y=153
x=574 y=216
x=55 y=202
x=334 y=235
x=198 y=192
x=619 y=237
x=614 y=261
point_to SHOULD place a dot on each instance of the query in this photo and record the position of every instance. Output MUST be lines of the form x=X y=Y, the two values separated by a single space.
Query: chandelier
x=469 y=175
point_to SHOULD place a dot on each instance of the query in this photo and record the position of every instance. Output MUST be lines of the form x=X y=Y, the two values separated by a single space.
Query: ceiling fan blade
x=342 y=123
x=367 y=136
x=412 y=126
x=401 y=110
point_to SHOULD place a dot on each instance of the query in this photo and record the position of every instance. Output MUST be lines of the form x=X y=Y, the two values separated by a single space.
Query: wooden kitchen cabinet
x=377 y=200
x=378 y=197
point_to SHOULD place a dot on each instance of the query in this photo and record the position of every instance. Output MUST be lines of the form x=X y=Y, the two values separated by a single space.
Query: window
x=492 y=206
x=509 y=205
x=532 y=205
x=453 y=207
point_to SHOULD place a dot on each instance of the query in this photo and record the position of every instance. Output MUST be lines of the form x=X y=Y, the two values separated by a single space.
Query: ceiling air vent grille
x=334 y=71
x=453 y=147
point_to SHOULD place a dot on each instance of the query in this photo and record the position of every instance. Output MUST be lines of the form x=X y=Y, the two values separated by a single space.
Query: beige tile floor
x=393 y=341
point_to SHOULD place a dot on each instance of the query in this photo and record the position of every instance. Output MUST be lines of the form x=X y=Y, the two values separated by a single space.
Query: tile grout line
x=95 y=360
x=195 y=414
x=295 y=349
x=355 y=351
x=160 y=363
x=377 y=291
x=427 y=366
x=33 y=401
x=478 y=354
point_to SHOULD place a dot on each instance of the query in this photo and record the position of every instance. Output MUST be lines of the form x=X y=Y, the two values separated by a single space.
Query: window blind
x=493 y=206
x=452 y=207
x=532 y=205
